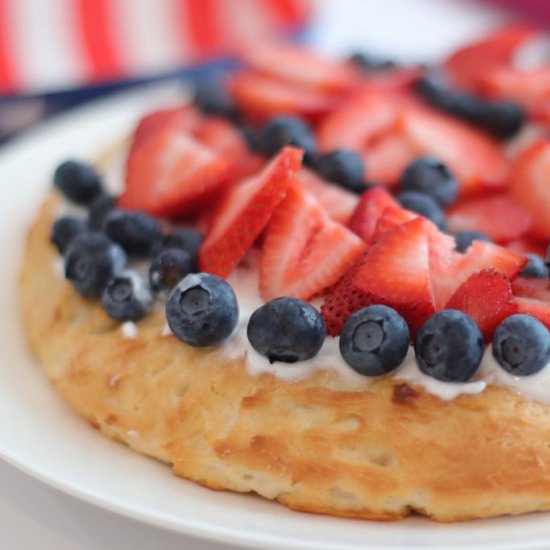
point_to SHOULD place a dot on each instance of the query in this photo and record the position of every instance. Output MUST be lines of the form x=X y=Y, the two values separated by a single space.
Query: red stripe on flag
x=99 y=43
x=205 y=27
x=290 y=14
x=8 y=80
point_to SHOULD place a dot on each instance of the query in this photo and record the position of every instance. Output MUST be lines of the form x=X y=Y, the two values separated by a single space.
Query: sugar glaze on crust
x=314 y=445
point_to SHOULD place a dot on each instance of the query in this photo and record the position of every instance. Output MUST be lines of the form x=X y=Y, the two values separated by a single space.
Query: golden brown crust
x=313 y=445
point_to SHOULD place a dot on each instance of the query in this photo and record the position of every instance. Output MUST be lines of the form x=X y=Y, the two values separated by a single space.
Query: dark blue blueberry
x=535 y=267
x=202 y=310
x=464 y=239
x=79 y=182
x=90 y=261
x=287 y=130
x=64 y=230
x=432 y=177
x=503 y=119
x=251 y=138
x=127 y=297
x=371 y=63
x=449 y=346
x=168 y=268
x=185 y=238
x=521 y=345
x=212 y=99
x=286 y=330
x=136 y=232
x=424 y=205
x=344 y=167
x=374 y=340
x=98 y=210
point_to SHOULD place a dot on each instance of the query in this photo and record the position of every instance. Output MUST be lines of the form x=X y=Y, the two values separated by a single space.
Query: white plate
x=41 y=436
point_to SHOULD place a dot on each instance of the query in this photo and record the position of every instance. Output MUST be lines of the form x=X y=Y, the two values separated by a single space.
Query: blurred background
x=56 y=54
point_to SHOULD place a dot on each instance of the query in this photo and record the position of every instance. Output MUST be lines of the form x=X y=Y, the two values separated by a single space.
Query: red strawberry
x=470 y=64
x=487 y=298
x=371 y=206
x=529 y=186
x=528 y=245
x=477 y=161
x=297 y=66
x=536 y=308
x=184 y=118
x=532 y=287
x=304 y=251
x=262 y=97
x=223 y=138
x=390 y=219
x=244 y=211
x=338 y=203
x=449 y=269
x=394 y=271
x=394 y=80
x=498 y=217
x=171 y=173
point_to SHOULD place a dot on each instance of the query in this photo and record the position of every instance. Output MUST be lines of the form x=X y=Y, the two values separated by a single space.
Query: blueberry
x=185 y=238
x=211 y=98
x=90 y=261
x=202 y=310
x=432 y=177
x=287 y=330
x=374 y=340
x=521 y=345
x=79 y=182
x=136 y=232
x=287 y=130
x=64 y=230
x=535 y=267
x=464 y=239
x=503 y=119
x=98 y=210
x=127 y=297
x=424 y=205
x=449 y=346
x=344 y=167
x=169 y=268
x=371 y=63
x=251 y=138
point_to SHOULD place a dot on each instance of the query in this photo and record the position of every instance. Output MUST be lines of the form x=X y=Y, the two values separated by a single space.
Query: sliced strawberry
x=452 y=268
x=358 y=120
x=338 y=203
x=394 y=80
x=224 y=138
x=529 y=186
x=487 y=298
x=391 y=217
x=171 y=173
x=395 y=272
x=532 y=287
x=527 y=245
x=371 y=206
x=184 y=118
x=304 y=251
x=297 y=66
x=261 y=97
x=498 y=217
x=470 y=64
x=244 y=211
x=477 y=161
x=536 y=308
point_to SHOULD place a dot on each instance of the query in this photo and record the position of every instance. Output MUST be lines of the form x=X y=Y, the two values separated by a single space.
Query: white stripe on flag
x=47 y=49
x=149 y=38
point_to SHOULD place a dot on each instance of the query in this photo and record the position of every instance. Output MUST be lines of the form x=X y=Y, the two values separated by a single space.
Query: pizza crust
x=379 y=453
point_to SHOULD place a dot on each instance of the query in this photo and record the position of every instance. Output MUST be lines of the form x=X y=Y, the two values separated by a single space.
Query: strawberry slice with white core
x=395 y=272
x=244 y=211
x=338 y=203
x=171 y=173
x=304 y=251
